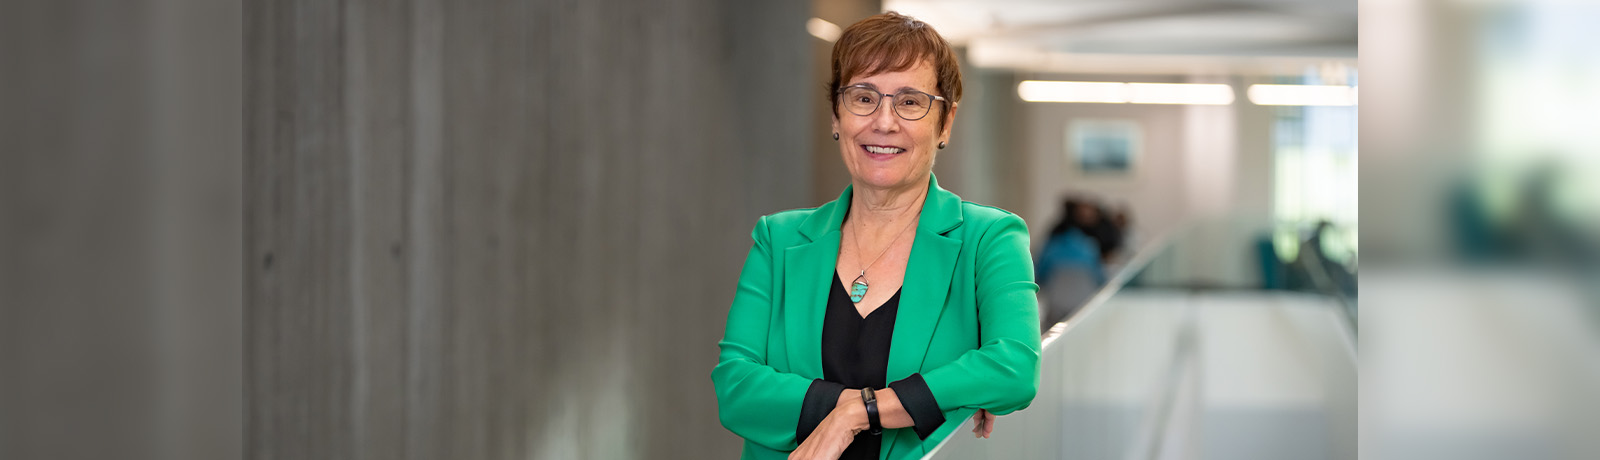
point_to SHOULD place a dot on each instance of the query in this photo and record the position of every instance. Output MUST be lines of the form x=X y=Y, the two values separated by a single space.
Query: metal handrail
x=1136 y=264
x=1324 y=284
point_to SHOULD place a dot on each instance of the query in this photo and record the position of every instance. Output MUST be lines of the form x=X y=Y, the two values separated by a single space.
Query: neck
x=875 y=207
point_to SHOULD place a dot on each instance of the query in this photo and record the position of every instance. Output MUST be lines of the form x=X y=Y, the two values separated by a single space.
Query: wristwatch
x=872 y=411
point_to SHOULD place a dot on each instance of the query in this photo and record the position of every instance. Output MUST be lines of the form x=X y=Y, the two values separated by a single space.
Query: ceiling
x=1146 y=36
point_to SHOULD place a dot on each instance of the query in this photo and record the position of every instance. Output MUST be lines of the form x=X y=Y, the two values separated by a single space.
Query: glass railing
x=1179 y=356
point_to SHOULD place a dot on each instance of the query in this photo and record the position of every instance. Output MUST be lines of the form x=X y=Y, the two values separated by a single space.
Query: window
x=1314 y=172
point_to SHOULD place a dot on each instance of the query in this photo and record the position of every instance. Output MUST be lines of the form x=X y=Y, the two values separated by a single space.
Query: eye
x=864 y=99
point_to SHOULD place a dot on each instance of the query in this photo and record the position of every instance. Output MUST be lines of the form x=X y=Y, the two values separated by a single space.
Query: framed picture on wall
x=1103 y=146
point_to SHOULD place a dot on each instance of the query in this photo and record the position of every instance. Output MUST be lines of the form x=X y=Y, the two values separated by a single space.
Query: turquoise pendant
x=858 y=288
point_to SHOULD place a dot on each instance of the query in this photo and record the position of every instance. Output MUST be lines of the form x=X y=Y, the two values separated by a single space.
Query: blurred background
x=510 y=229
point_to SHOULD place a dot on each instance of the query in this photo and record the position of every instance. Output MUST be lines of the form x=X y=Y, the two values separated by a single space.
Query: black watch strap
x=871 y=400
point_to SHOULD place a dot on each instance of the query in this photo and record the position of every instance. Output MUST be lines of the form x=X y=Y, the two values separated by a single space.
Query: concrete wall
x=502 y=229
x=120 y=272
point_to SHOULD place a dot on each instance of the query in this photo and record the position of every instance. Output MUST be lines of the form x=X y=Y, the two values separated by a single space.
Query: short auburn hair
x=893 y=42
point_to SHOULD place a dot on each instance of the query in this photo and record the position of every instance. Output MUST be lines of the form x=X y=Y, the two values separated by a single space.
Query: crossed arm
x=762 y=404
x=849 y=417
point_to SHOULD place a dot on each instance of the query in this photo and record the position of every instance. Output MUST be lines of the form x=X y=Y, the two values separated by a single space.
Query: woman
x=860 y=326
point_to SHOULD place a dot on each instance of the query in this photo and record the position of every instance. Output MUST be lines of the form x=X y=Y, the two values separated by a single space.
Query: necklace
x=858 y=288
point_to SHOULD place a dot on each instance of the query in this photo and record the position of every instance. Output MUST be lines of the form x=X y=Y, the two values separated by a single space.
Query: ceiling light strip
x=1125 y=93
x=1318 y=95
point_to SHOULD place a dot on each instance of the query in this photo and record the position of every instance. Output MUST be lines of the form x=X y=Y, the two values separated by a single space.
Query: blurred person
x=1313 y=263
x=1107 y=233
x=1070 y=268
x=830 y=348
x=1093 y=219
x=1122 y=220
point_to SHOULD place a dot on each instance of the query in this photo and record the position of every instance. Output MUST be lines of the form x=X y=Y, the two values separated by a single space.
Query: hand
x=984 y=425
x=834 y=434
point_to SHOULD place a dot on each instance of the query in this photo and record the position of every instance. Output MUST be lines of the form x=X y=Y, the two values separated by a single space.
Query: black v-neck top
x=855 y=350
x=855 y=354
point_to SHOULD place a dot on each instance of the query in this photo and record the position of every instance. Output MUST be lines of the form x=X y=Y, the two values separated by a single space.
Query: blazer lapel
x=808 y=268
x=927 y=281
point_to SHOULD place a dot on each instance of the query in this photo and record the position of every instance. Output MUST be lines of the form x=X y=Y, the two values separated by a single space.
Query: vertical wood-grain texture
x=499 y=229
x=120 y=231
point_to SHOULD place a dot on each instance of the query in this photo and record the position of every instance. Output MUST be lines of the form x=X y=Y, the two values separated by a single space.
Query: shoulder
x=781 y=227
x=787 y=219
x=981 y=216
x=992 y=230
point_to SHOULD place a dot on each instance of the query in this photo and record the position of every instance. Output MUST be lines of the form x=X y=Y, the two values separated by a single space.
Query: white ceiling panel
x=1244 y=36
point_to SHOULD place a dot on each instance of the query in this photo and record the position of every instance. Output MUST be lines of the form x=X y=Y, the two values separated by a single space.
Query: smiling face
x=882 y=150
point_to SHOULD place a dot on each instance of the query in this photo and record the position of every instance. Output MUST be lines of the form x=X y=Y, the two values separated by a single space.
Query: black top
x=855 y=354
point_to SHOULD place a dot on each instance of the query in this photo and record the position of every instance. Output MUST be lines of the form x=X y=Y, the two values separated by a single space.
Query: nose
x=884 y=120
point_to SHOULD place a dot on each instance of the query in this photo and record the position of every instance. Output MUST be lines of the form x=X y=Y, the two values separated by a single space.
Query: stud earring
x=835 y=136
x=941 y=145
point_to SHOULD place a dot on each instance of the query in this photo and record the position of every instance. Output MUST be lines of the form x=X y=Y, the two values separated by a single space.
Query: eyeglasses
x=909 y=104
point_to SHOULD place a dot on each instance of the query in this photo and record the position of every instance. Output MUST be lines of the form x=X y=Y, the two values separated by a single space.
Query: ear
x=835 y=123
x=949 y=123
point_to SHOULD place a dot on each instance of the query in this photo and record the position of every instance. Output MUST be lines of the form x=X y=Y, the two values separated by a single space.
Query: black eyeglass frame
x=841 y=90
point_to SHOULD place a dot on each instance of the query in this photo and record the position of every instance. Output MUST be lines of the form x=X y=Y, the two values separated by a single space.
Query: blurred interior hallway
x=493 y=229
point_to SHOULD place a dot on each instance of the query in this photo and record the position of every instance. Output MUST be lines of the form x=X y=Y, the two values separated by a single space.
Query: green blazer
x=968 y=321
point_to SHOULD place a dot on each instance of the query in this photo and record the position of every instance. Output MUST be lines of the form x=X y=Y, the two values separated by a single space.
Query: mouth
x=882 y=149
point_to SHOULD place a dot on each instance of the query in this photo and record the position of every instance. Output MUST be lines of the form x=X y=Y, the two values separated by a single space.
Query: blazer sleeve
x=1002 y=374
x=755 y=400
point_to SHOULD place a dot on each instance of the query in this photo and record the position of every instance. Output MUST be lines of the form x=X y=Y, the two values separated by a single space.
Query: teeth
x=884 y=149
